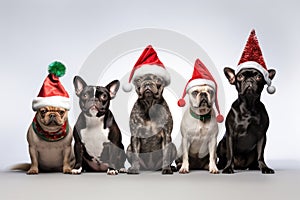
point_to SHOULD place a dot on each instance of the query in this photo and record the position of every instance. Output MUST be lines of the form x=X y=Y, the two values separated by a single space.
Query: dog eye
x=241 y=77
x=85 y=96
x=195 y=93
x=61 y=112
x=43 y=111
x=104 y=97
x=258 y=77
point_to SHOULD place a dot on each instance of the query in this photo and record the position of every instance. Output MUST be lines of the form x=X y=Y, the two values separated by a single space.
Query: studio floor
x=242 y=185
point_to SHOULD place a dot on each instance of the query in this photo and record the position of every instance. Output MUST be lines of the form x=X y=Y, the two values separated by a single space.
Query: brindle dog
x=151 y=124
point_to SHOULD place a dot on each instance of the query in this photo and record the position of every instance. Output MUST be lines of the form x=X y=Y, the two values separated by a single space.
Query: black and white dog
x=98 y=140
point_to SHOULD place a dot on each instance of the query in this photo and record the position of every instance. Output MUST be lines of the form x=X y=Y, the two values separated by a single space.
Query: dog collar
x=50 y=136
x=200 y=117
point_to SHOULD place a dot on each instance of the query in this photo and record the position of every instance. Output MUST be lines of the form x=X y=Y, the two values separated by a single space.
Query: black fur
x=113 y=153
x=247 y=122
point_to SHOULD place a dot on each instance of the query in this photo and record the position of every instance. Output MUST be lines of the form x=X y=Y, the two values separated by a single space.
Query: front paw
x=184 y=169
x=133 y=170
x=67 y=170
x=267 y=170
x=213 y=169
x=76 y=171
x=228 y=170
x=123 y=170
x=33 y=171
x=167 y=171
x=112 y=172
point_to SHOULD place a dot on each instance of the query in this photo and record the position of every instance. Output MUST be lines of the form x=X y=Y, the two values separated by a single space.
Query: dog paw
x=123 y=170
x=132 y=170
x=184 y=170
x=213 y=170
x=228 y=170
x=112 y=172
x=167 y=171
x=67 y=170
x=267 y=170
x=33 y=171
x=76 y=171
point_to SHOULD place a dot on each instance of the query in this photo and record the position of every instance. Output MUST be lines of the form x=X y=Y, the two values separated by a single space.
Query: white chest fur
x=199 y=134
x=94 y=135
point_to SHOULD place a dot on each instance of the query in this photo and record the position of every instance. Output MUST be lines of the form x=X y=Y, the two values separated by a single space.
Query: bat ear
x=272 y=73
x=113 y=88
x=230 y=75
x=79 y=84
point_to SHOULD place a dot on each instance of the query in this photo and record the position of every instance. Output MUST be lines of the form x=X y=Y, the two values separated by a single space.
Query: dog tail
x=21 y=167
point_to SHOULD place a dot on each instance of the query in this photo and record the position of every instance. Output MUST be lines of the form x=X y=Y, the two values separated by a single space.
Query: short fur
x=247 y=122
x=199 y=137
x=98 y=140
x=151 y=124
x=50 y=156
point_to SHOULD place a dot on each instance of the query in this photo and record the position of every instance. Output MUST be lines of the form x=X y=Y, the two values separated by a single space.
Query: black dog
x=151 y=124
x=243 y=144
x=98 y=140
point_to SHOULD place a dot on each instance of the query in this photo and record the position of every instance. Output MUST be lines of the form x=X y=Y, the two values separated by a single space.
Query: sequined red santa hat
x=252 y=58
x=148 y=63
x=52 y=92
x=202 y=76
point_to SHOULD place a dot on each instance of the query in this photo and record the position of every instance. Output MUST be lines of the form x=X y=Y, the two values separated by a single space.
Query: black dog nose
x=203 y=94
x=52 y=115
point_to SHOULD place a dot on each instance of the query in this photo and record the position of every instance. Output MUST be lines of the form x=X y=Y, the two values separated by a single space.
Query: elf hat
x=252 y=58
x=201 y=76
x=52 y=92
x=148 y=63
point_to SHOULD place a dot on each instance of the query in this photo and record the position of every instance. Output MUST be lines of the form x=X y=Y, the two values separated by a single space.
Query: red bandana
x=50 y=136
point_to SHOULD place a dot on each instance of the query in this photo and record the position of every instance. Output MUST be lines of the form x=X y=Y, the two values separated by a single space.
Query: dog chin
x=93 y=111
x=148 y=94
x=202 y=110
x=50 y=126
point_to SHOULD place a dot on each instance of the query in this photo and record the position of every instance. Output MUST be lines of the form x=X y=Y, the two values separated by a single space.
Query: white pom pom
x=271 y=89
x=127 y=87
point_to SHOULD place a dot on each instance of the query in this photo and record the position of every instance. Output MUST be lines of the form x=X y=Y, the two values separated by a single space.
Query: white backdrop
x=34 y=33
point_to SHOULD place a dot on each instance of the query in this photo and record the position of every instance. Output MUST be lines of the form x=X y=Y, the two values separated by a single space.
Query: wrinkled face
x=249 y=82
x=201 y=99
x=51 y=118
x=95 y=100
x=149 y=86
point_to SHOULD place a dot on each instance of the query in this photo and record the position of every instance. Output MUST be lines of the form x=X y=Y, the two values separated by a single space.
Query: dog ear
x=79 y=84
x=230 y=75
x=113 y=88
x=272 y=73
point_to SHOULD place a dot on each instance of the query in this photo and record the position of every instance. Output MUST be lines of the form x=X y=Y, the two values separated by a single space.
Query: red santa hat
x=148 y=63
x=201 y=76
x=252 y=58
x=52 y=92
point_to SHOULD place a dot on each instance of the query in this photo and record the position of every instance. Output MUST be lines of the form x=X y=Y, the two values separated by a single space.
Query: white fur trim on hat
x=152 y=69
x=200 y=81
x=57 y=101
x=255 y=65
